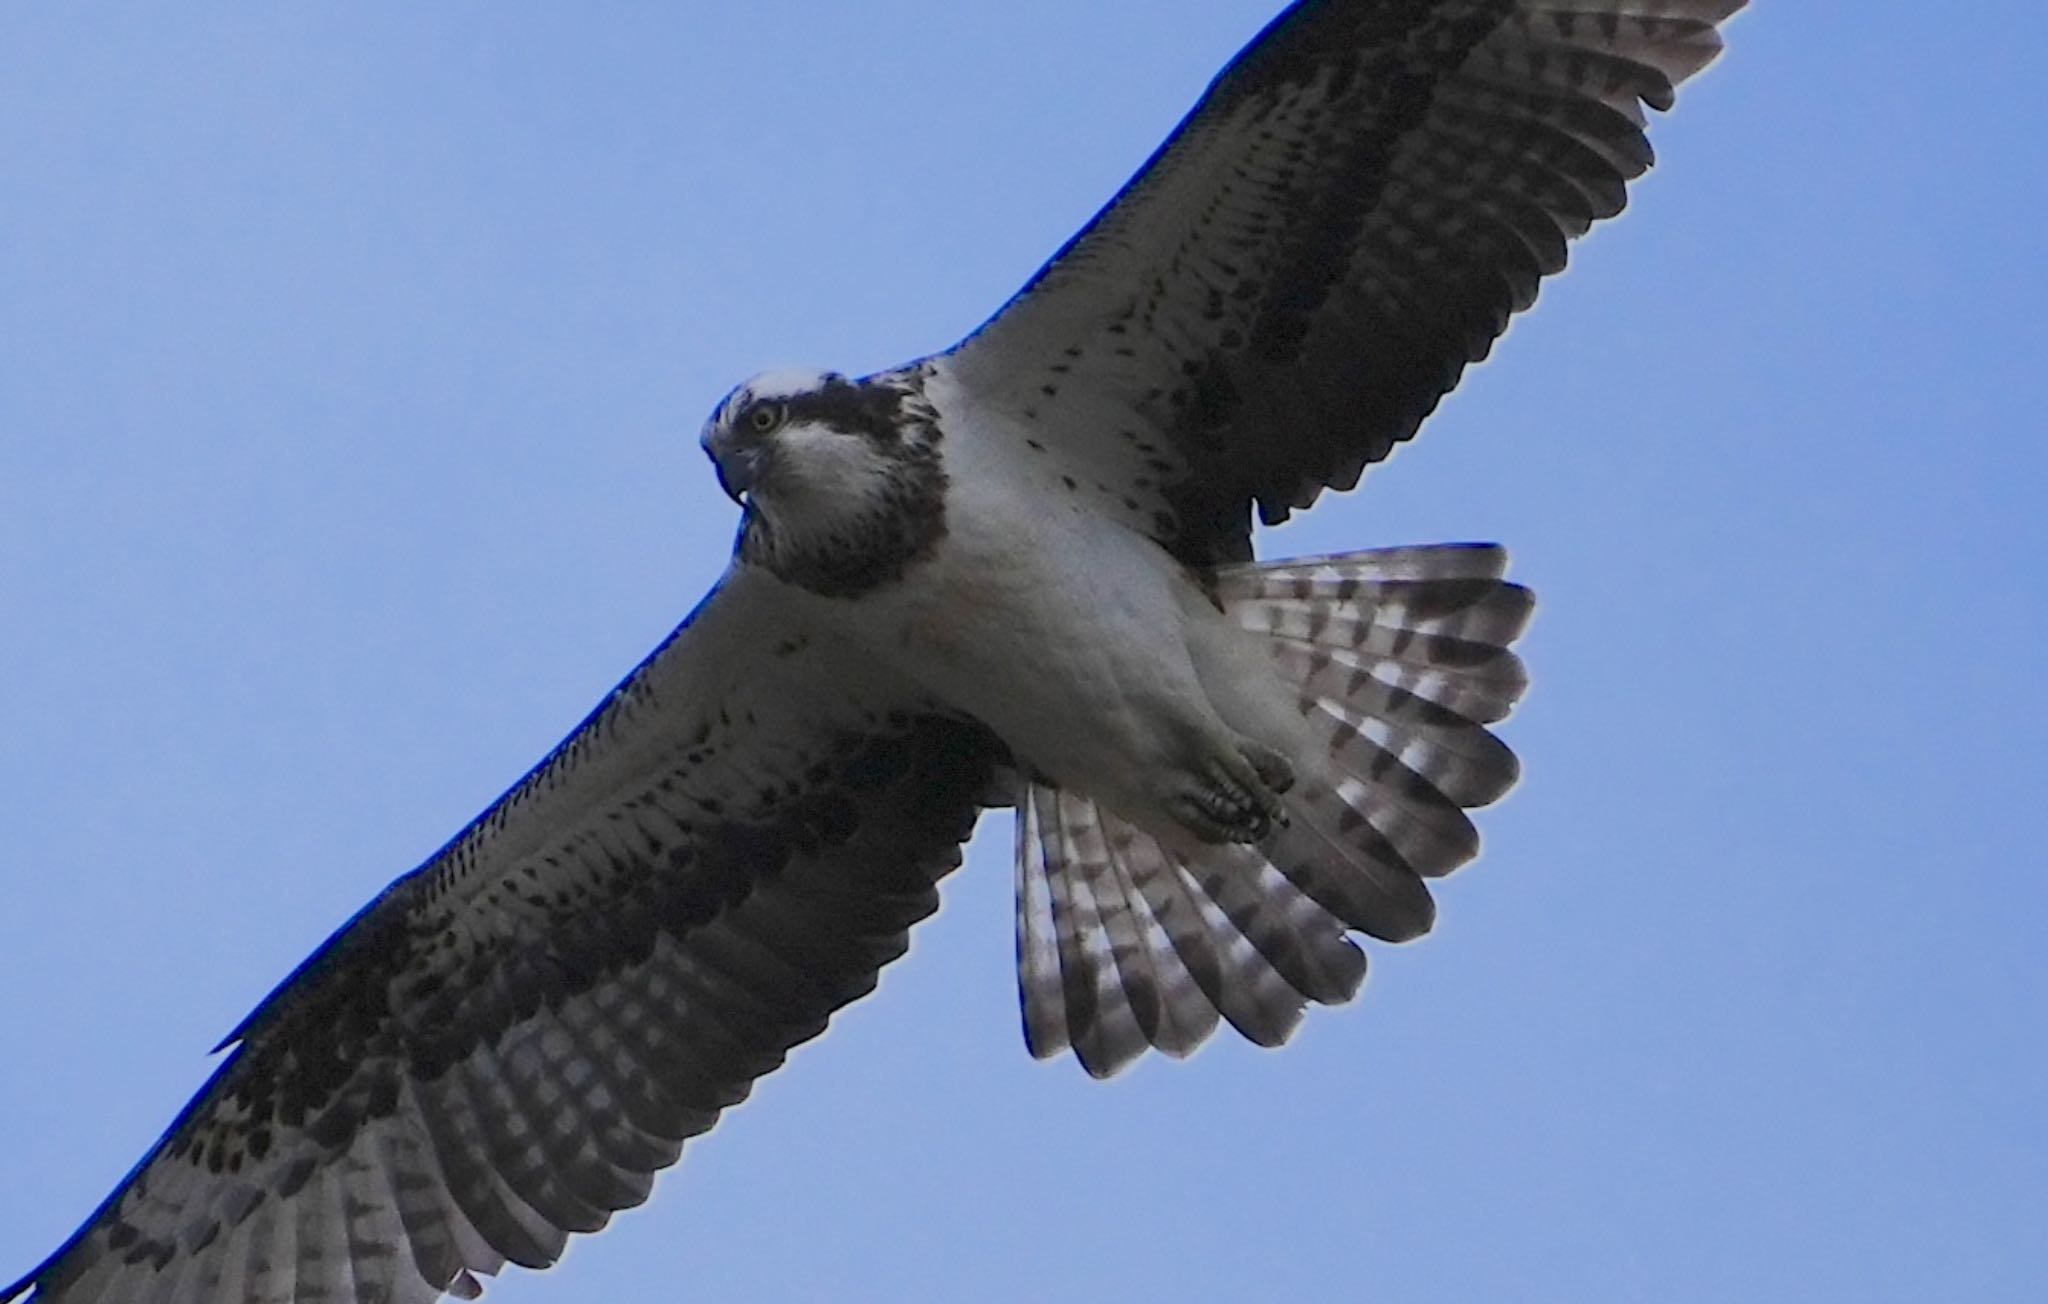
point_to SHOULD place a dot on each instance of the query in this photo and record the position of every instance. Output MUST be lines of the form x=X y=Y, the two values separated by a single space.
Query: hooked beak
x=738 y=466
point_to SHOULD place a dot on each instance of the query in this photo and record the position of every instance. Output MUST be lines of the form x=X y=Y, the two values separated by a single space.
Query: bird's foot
x=1236 y=796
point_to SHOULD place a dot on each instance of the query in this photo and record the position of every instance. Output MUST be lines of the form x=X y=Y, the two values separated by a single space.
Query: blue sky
x=353 y=361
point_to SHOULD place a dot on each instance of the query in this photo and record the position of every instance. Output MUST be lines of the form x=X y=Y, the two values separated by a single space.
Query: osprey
x=1017 y=573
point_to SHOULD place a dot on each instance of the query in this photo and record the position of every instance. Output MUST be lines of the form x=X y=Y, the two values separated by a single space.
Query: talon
x=1275 y=770
x=1235 y=795
x=1275 y=776
x=1216 y=817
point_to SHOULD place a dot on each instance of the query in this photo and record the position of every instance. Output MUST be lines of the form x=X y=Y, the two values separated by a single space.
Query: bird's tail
x=1401 y=659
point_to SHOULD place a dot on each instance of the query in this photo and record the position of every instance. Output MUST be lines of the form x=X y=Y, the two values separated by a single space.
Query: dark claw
x=1275 y=770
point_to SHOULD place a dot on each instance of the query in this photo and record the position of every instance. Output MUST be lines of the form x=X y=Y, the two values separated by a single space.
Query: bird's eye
x=764 y=417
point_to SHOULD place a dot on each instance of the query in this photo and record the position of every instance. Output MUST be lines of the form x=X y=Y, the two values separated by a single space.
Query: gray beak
x=737 y=466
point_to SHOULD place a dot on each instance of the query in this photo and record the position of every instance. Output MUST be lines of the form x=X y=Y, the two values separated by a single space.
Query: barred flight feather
x=507 y=1046
x=1402 y=659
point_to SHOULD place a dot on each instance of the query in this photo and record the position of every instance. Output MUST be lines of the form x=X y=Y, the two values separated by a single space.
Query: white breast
x=1080 y=642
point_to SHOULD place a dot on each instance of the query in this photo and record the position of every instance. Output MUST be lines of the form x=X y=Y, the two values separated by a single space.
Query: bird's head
x=834 y=474
x=787 y=437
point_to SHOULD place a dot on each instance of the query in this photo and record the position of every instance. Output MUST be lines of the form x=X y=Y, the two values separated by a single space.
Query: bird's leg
x=1235 y=795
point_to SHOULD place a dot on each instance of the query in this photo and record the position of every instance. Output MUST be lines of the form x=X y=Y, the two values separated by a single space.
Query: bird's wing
x=1348 y=217
x=506 y=1045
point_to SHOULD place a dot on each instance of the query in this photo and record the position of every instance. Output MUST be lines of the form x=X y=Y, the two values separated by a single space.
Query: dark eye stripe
x=872 y=411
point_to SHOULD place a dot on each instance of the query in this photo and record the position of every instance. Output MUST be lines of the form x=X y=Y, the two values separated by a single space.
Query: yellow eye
x=764 y=417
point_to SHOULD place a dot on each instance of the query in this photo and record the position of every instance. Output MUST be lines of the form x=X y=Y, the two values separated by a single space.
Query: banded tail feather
x=1401 y=658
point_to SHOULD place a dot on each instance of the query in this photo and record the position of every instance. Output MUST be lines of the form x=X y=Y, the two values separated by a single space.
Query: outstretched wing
x=506 y=1045
x=1347 y=218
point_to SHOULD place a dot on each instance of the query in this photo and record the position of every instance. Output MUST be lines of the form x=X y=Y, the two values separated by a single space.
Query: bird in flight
x=1016 y=573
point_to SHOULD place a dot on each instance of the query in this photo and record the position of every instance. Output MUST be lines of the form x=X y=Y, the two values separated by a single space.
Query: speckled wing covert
x=1348 y=217
x=506 y=1045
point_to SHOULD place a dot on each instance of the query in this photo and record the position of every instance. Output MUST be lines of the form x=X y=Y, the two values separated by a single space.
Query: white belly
x=1083 y=645
x=1081 y=668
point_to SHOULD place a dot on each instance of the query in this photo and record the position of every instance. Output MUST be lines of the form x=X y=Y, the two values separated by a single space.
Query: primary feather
x=506 y=1046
